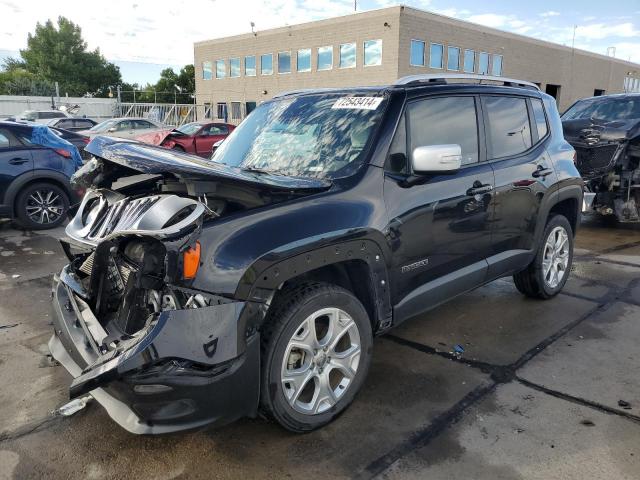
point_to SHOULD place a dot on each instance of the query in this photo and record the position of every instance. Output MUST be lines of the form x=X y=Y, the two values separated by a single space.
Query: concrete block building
x=235 y=74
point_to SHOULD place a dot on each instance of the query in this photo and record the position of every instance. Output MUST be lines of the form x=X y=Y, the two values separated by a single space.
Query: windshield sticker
x=358 y=103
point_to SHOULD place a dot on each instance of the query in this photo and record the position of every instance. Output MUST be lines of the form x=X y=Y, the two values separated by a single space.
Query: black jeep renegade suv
x=200 y=291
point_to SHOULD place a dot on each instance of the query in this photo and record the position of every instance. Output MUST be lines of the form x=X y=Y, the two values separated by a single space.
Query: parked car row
x=604 y=130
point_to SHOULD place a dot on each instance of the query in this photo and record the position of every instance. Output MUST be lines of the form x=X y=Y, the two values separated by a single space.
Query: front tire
x=316 y=351
x=548 y=272
x=41 y=206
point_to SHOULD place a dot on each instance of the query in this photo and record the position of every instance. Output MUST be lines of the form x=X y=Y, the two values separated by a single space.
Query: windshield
x=29 y=115
x=320 y=136
x=605 y=109
x=103 y=126
x=189 y=128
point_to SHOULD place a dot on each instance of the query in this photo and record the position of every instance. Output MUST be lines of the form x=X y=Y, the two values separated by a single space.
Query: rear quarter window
x=539 y=117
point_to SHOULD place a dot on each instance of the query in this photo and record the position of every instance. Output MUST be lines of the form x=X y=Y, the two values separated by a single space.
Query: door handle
x=18 y=161
x=479 y=188
x=541 y=172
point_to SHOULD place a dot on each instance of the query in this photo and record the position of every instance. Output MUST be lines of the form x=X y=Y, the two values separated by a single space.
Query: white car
x=124 y=127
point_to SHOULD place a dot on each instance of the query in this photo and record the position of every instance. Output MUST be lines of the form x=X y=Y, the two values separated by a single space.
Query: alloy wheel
x=44 y=206
x=321 y=361
x=555 y=260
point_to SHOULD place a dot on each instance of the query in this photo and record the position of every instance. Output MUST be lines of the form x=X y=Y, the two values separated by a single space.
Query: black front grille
x=593 y=160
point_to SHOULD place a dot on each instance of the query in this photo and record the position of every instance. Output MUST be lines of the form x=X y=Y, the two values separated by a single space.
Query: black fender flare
x=564 y=192
x=38 y=175
x=259 y=283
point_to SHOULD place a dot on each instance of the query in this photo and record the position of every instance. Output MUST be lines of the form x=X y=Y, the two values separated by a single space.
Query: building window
x=416 y=57
x=325 y=58
x=236 y=113
x=496 y=66
x=598 y=92
x=436 y=52
x=304 y=60
x=469 y=61
x=453 y=58
x=483 y=64
x=221 y=69
x=372 y=53
x=222 y=111
x=206 y=70
x=207 y=110
x=266 y=64
x=284 y=62
x=347 y=55
x=234 y=67
x=249 y=107
x=250 y=66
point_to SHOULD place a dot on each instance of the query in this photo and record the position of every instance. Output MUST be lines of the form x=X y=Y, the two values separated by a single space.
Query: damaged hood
x=152 y=160
x=591 y=131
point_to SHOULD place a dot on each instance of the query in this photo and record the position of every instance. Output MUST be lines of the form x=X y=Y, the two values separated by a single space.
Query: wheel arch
x=567 y=201
x=54 y=178
x=344 y=264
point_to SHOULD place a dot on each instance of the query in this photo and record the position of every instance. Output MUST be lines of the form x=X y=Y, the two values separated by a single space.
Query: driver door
x=439 y=224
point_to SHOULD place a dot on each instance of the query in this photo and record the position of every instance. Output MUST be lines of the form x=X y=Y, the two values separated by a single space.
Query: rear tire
x=546 y=275
x=41 y=205
x=178 y=148
x=316 y=351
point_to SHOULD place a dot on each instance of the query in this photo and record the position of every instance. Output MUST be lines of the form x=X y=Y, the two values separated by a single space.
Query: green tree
x=59 y=54
x=187 y=79
x=18 y=81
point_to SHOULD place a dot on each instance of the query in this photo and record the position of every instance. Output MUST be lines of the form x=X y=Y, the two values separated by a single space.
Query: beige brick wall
x=353 y=28
x=577 y=72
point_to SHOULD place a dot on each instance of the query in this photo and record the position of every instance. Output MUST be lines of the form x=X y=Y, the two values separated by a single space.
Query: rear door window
x=51 y=114
x=445 y=121
x=83 y=124
x=142 y=124
x=4 y=139
x=8 y=139
x=218 y=130
x=64 y=124
x=507 y=126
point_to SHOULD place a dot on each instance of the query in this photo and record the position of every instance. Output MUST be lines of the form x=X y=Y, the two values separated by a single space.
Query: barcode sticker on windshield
x=358 y=103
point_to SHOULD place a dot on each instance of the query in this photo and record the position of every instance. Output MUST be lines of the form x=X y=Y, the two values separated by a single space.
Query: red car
x=196 y=137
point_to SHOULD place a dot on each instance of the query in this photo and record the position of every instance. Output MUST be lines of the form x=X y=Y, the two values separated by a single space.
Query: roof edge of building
x=517 y=36
x=378 y=12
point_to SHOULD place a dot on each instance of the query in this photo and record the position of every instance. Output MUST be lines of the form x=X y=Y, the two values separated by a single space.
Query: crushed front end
x=608 y=158
x=158 y=355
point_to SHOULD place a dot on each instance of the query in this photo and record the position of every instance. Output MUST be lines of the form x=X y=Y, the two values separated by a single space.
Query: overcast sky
x=163 y=32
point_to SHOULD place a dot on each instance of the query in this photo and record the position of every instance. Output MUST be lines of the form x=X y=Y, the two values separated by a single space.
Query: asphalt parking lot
x=542 y=390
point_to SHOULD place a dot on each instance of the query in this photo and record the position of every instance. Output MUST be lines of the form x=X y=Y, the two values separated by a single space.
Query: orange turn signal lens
x=191 y=261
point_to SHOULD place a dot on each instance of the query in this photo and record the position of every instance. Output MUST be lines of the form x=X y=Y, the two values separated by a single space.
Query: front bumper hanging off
x=189 y=369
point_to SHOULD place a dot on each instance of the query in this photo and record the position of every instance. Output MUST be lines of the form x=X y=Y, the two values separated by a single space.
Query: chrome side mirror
x=436 y=159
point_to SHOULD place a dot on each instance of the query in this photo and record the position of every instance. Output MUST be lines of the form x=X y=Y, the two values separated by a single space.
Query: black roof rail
x=442 y=78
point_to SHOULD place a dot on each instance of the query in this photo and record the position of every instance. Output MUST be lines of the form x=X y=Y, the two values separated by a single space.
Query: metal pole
x=134 y=95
